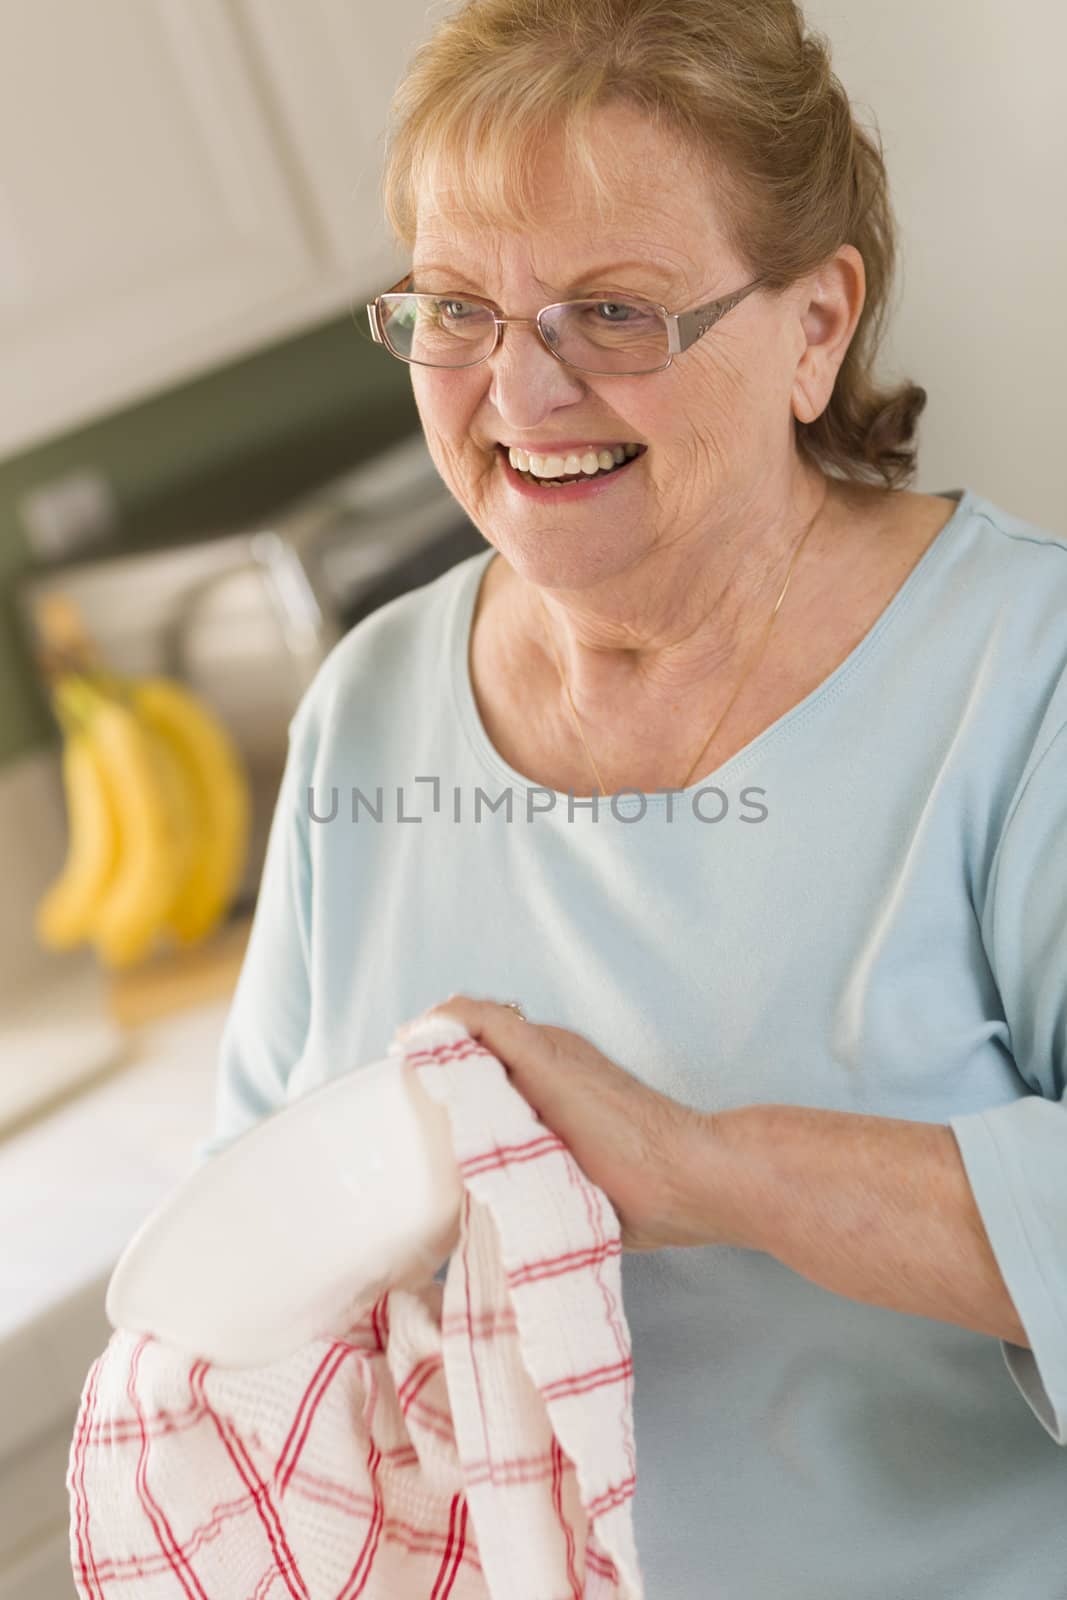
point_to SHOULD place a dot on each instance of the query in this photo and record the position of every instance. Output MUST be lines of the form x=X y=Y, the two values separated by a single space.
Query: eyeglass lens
x=617 y=335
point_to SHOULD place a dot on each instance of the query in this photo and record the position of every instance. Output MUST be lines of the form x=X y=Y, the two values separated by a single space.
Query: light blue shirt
x=865 y=910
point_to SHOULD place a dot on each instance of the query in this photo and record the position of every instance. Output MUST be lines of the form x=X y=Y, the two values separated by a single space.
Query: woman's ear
x=834 y=297
x=805 y=408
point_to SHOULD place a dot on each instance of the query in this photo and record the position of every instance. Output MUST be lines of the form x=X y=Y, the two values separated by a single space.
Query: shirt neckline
x=489 y=758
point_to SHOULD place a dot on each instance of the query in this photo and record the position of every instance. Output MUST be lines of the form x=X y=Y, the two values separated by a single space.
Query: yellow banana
x=217 y=776
x=155 y=812
x=65 y=912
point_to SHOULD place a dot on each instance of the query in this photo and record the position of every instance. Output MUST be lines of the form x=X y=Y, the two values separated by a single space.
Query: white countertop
x=74 y=1188
x=56 y=1035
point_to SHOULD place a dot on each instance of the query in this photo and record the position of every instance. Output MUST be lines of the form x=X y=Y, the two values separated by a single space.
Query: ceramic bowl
x=290 y=1232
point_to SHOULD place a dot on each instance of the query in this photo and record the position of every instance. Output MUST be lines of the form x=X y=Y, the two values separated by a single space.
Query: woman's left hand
x=631 y=1141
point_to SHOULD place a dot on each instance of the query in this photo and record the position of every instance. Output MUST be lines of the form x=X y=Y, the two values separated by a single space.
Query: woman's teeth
x=553 y=468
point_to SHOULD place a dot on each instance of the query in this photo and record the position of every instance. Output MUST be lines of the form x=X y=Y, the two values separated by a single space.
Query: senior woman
x=743 y=769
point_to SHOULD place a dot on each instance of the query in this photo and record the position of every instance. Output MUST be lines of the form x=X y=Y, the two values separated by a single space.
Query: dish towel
x=471 y=1439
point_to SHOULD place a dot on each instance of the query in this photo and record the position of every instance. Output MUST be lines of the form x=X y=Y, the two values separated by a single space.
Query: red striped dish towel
x=471 y=1439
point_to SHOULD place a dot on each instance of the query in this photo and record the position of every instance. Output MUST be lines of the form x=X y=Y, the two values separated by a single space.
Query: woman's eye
x=628 y=313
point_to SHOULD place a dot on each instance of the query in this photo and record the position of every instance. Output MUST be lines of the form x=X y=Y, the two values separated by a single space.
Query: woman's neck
x=664 y=628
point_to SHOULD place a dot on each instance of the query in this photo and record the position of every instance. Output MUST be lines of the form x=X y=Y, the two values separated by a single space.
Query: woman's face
x=718 y=422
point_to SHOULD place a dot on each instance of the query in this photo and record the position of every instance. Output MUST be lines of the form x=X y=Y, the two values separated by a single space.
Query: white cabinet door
x=148 y=227
x=332 y=67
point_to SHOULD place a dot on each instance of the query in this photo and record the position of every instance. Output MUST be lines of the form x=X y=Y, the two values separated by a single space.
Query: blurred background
x=209 y=473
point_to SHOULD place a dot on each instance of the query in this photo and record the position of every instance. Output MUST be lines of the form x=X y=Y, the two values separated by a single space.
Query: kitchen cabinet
x=181 y=184
x=331 y=67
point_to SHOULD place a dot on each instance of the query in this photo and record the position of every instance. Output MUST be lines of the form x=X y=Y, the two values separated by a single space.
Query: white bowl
x=300 y=1224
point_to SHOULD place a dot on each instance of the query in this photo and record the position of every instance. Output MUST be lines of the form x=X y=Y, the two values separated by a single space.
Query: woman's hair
x=793 y=174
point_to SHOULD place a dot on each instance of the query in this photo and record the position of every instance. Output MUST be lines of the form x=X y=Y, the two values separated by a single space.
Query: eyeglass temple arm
x=686 y=327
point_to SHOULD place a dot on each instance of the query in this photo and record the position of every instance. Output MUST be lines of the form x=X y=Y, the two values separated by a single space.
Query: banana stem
x=76 y=694
x=114 y=685
x=72 y=702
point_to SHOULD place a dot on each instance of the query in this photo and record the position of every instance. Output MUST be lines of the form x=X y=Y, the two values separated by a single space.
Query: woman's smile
x=538 y=489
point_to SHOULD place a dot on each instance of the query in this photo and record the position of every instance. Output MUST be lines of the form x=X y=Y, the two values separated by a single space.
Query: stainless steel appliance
x=246 y=618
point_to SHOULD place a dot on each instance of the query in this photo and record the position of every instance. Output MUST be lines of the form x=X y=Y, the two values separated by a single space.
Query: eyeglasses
x=461 y=330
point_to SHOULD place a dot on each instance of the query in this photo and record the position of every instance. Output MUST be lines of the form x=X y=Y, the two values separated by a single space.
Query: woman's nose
x=526 y=376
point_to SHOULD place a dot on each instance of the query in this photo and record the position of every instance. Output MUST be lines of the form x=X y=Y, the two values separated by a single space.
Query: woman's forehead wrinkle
x=472 y=260
x=656 y=248
x=647 y=270
x=637 y=230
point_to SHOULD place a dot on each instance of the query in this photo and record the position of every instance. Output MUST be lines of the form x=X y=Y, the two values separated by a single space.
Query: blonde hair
x=795 y=176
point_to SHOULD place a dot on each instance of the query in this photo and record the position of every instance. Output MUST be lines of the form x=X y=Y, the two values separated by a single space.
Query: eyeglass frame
x=684 y=328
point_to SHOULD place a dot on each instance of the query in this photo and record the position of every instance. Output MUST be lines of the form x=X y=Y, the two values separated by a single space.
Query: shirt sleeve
x=1015 y=1155
x=267 y=1025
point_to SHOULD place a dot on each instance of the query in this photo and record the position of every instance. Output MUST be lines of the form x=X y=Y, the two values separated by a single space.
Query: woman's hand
x=635 y=1144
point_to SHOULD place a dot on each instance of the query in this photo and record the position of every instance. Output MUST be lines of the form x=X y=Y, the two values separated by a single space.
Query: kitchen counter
x=56 y=1035
x=74 y=1188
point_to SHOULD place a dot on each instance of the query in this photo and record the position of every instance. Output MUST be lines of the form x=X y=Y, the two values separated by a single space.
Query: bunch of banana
x=159 y=812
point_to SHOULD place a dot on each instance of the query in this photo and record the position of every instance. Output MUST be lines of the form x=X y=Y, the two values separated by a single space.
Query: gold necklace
x=763 y=645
